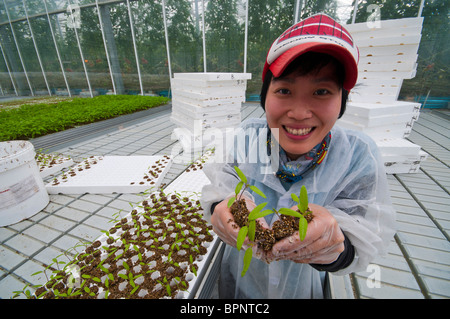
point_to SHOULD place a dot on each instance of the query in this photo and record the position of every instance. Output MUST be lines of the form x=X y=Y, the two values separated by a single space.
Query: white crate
x=213 y=76
x=198 y=112
x=386 y=120
x=374 y=110
x=112 y=174
x=230 y=121
x=377 y=133
x=380 y=26
x=205 y=102
x=397 y=51
x=406 y=166
x=372 y=115
x=398 y=147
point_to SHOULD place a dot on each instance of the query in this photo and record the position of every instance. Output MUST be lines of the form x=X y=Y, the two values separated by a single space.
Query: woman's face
x=304 y=108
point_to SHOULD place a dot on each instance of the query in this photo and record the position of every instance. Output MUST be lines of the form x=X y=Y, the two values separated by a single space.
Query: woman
x=308 y=73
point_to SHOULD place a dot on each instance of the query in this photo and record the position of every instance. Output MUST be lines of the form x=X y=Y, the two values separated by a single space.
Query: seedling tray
x=112 y=174
x=122 y=251
x=50 y=164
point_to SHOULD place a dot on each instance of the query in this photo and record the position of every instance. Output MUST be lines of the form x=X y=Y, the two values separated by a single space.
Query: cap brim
x=341 y=54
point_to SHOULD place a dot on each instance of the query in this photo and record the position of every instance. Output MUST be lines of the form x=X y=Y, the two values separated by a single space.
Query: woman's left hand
x=323 y=243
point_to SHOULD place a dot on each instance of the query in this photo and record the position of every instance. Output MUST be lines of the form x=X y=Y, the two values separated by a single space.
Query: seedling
x=302 y=213
x=248 y=225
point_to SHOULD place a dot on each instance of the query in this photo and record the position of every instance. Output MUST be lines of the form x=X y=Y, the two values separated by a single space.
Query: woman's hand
x=225 y=227
x=323 y=244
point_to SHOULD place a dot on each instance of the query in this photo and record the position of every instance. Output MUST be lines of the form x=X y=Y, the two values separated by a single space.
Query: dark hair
x=306 y=64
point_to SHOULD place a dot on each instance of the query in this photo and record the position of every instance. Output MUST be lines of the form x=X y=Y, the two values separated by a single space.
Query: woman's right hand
x=226 y=228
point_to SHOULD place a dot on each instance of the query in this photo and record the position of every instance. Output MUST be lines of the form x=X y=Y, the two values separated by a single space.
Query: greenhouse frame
x=92 y=47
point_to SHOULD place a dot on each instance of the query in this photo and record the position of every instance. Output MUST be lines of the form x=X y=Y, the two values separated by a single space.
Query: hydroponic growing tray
x=163 y=248
x=112 y=174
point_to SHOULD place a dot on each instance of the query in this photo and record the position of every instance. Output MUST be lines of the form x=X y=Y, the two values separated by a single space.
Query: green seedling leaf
x=240 y=174
x=302 y=228
x=241 y=237
x=257 y=191
x=247 y=260
x=134 y=290
x=252 y=230
x=261 y=214
x=295 y=198
x=256 y=210
x=303 y=199
x=290 y=212
x=238 y=188
x=231 y=201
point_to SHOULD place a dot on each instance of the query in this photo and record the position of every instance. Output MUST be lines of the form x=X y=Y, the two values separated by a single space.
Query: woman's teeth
x=301 y=131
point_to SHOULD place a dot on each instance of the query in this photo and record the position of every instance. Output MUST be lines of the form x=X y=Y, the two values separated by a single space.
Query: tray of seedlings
x=50 y=164
x=161 y=249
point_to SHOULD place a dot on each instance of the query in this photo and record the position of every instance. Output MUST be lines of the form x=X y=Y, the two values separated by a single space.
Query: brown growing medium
x=148 y=255
x=265 y=238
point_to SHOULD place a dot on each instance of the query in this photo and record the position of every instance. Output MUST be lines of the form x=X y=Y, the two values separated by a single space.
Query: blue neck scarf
x=293 y=171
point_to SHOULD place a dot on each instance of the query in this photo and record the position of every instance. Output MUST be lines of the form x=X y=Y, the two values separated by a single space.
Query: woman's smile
x=298 y=133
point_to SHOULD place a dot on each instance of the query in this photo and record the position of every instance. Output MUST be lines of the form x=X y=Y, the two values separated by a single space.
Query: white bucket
x=22 y=191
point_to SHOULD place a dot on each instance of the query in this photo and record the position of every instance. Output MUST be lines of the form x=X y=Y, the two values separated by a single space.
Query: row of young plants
x=148 y=254
x=33 y=120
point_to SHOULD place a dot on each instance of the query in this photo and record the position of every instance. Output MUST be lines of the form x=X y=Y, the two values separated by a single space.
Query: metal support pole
x=419 y=14
x=81 y=52
x=18 y=49
x=9 y=71
x=105 y=46
x=166 y=35
x=355 y=9
x=135 y=48
x=36 y=49
x=296 y=8
x=246 y=36
x=203 y=31
x=57 y=50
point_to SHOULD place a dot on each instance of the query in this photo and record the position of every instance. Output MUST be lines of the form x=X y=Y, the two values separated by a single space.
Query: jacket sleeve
x=363 y=207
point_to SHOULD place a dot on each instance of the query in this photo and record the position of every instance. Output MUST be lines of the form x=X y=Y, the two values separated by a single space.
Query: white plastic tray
x=112 y=174
x=46 y=168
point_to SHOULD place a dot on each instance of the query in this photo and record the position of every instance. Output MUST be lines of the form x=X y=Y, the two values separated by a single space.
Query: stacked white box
x=201 y=101
x=388 y=54
x=383 y=120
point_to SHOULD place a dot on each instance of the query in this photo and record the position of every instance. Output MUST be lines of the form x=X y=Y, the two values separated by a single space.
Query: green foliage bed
x=30 y=121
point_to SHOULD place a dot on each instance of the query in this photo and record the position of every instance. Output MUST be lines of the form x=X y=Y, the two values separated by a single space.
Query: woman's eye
x=321 y=92
x=283 y=91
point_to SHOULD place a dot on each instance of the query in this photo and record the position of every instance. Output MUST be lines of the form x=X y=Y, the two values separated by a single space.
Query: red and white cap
x=318 y=33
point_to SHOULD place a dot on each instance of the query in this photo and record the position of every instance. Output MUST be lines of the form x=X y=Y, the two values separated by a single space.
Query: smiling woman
x=307 y=74
x=33 y=120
